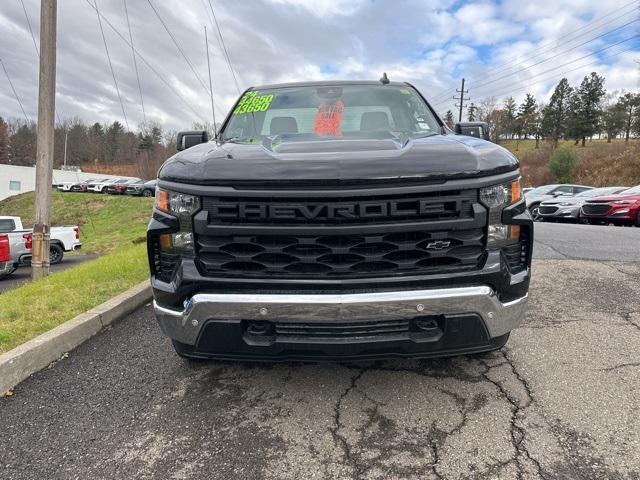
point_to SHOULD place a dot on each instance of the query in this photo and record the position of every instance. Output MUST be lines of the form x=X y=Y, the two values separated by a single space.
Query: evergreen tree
x=23 y=145
x=448 y=119
x=555 y=115
x=509 y=117
x=4 y=142
x=113 y=141
x=471 y=112
x=527 y=116
x=586 y=108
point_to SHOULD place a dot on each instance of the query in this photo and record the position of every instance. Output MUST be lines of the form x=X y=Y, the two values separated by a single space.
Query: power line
x=144 y=60
x=556 y=55
x=444 y=94
x=503 y=93
x=563 y=74
x=582 y=57
x=561 y=65
x=224 y=47
x=15 y=94
x=135 y=63
x=508 y=65
x=35 y=45
x=175 y=42
x=115 y=82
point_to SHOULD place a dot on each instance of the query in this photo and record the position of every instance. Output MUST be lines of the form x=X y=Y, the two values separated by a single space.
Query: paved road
x=586 y=242
x=560 y=401
x=23 y=274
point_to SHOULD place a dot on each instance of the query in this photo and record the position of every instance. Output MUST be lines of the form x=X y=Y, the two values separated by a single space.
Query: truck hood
x=435 y=158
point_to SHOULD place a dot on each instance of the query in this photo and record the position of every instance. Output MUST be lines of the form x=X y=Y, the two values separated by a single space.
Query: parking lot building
x=15 y=179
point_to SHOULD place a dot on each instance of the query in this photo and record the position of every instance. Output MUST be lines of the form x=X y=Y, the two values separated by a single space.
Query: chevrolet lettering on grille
x=320 y=212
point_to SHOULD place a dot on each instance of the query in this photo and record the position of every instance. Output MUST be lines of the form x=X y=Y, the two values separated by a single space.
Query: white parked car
x=101 y=186
x=62 y=239
x=66 y=186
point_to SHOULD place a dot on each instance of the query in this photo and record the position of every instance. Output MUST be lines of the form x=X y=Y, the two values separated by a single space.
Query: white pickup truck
x=62 y=239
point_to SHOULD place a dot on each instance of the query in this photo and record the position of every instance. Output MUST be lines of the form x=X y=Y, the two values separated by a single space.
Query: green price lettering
x=252 y=102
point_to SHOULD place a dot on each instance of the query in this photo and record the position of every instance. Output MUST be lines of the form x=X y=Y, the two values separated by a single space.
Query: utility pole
x=44 y=148
x=462 y=99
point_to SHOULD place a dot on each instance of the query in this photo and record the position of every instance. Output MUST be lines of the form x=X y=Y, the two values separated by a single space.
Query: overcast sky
x=503 y=48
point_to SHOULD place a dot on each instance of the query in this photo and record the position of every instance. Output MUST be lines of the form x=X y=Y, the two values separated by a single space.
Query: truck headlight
x=176 y=203
x=500 y=196
x=496 y=198
x=182 y=206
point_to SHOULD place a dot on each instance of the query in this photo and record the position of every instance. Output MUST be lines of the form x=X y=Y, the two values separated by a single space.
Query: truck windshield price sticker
x=252 y=102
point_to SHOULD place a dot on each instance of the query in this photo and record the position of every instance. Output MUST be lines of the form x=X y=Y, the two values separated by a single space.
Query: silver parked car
x=566 y=208
x=547 y=192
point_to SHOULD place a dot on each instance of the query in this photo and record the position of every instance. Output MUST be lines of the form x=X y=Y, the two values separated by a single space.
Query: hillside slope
x=599 y=163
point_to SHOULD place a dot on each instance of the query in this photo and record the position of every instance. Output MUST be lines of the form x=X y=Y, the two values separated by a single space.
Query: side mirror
x=473 y=129
x=189 y=139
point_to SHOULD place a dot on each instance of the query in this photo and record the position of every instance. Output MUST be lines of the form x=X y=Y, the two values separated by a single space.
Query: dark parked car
x=338 y=220
x=142 y=189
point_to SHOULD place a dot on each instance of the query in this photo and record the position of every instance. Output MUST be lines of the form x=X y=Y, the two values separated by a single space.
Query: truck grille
x=595 y=208
x=341 y=255
x=352 y=237
x=344 y=331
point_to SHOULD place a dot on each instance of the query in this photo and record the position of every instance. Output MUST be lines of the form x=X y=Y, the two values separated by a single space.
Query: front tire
x=56 y=253
x=535 y=212
x=147 y=193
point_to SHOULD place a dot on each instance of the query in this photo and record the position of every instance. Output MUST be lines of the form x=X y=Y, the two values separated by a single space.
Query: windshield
x=336 y=112
x=541 y=190
x=597 y=192
x=632 y=191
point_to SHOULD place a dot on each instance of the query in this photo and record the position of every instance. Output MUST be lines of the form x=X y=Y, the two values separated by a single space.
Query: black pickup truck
x=338 y=220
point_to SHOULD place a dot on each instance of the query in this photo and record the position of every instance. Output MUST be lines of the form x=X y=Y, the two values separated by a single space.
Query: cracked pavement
x=561 y=400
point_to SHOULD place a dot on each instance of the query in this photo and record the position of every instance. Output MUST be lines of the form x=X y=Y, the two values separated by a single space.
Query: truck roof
x=328 y=83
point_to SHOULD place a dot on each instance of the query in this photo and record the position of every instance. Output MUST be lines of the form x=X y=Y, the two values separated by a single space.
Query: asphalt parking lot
x=561 y=400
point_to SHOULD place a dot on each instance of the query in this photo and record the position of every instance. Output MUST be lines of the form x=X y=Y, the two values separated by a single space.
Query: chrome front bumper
x=185 y=326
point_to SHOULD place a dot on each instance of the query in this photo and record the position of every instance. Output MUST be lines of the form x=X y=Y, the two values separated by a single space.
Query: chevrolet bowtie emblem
x=438 y=245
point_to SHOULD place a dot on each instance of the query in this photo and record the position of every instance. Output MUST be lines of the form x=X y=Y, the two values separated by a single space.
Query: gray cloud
x=428 y=42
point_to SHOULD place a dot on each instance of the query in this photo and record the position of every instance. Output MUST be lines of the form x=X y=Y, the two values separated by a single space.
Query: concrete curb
x=34 y=355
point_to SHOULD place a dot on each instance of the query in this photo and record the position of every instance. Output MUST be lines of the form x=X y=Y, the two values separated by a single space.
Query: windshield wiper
x=431 y=134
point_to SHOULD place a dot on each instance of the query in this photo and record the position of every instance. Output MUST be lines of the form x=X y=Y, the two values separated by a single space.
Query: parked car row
x=584 y=204
x=16 y=243
x=113 y=186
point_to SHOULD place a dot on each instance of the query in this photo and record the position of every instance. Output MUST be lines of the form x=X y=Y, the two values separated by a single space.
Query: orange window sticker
x=328 y=118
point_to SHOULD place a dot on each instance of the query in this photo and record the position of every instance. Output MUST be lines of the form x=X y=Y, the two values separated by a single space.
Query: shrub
x=563 y=164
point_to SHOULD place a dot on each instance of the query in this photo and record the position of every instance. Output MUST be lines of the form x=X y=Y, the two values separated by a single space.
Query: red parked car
x=620 y=209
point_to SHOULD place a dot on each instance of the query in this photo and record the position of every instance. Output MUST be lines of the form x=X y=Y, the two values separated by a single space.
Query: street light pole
x=66 y=137
x=44 y=148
